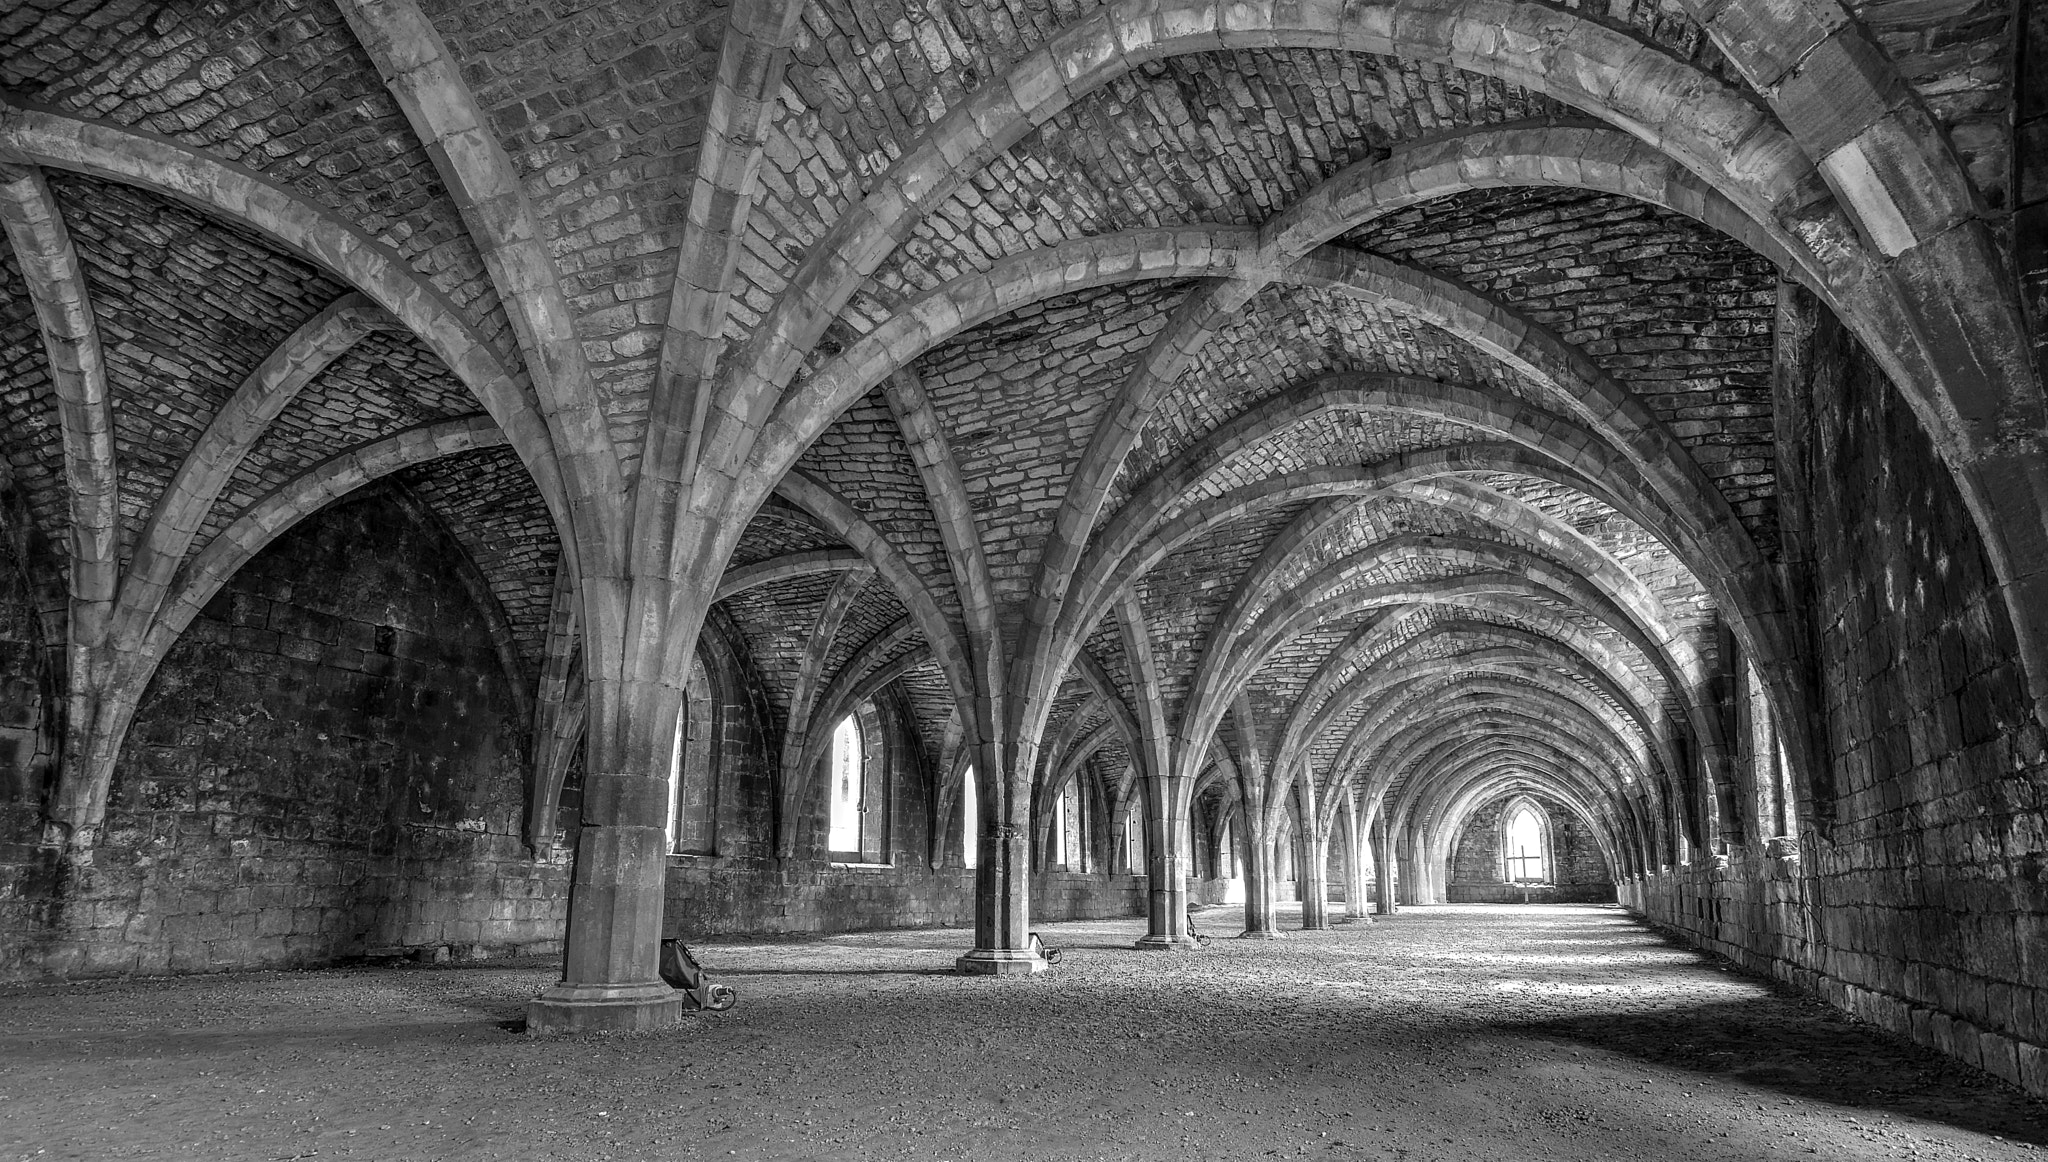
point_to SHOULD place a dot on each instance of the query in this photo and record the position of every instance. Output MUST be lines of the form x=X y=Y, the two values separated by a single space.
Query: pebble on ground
x=1447 y=1033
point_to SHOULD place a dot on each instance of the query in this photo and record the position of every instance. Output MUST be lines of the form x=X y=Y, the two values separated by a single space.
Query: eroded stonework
x=479 y=472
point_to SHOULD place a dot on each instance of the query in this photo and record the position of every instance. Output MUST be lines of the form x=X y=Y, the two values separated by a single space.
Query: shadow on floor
x=1799 y=1047
x=720 y=974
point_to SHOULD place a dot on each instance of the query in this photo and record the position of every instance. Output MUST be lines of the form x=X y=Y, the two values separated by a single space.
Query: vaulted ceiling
x=1369 y=413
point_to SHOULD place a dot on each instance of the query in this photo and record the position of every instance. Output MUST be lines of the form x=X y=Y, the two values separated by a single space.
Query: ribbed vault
x=1370 y=409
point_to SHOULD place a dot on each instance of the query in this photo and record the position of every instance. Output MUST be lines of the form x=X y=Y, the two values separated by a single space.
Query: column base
x=594 y=1008
x=1250 y=934
x=1167 y=943
x=1324 y=926
x=1000 y=962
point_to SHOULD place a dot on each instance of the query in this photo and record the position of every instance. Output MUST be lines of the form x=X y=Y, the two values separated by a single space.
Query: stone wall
x=332 y=763
x=1915 y=894
x=27 y=688
x=709 y=896
x=742 y=886
x=2030 y=171
x=1579 y=873
x=329 y=763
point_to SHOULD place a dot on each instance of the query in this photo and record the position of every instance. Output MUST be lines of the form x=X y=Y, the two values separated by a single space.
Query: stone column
x=1002 y=880
x=1259 y=870
x=610 y=968
x=1408 y=886
x=1287 y=864
x=1354 y=872
x=1383 y=868
x=1429 y=871
x=1314 y=878
x=1168 y=859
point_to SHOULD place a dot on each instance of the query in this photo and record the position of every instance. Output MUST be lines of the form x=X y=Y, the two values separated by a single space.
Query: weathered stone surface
x=326 y=766
x=1578 y=871
x=1928 y=841
x=1211 y=434
x=1679 y=314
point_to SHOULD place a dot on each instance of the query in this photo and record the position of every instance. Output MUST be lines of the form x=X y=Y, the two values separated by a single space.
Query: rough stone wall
x=742 y=886
x=28 y=697
x=1916 y=896
x=33 y=456
x=27 y=690
x=1578 y=871
x=2030 y=172
x=328 y=764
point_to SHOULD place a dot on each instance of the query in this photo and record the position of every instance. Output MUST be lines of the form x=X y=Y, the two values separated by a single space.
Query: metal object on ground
x=682 y=972
x=1049 y=955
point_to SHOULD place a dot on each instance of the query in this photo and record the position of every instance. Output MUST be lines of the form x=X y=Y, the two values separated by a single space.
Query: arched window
x=847 y=797
x=970 y=822
x=1134 y=843
x=1076 y=826
x=675 y=781
x=1523 y=846
x=1770 y=780
x=1788 y=801
x=1056 y=857
x=1228 y=865
x=693 y=777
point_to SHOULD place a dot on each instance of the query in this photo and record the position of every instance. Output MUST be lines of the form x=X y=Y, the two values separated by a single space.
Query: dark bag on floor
x=681 y=971
x=679 y=968
x=1049 y=955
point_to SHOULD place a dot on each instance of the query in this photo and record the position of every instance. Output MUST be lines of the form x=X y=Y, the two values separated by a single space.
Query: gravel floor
x=1446 y=1033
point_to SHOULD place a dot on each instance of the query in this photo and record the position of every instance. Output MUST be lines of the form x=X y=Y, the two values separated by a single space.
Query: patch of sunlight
x=1497 y=958
x=1560 y=988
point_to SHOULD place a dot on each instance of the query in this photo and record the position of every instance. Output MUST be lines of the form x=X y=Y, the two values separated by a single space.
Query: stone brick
x=1537 y=475
x=302 y=776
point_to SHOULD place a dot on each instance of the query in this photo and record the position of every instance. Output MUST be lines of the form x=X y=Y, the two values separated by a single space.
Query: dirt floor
x=1446 y=1033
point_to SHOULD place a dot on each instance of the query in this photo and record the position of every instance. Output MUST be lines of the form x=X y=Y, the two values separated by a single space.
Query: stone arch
x=784 y=568
x=160 y=166
x=1518 y=806
x=204 y=574
x=1560 y=742
x=939 y=632
x=1432 y=802
x=700 y=741
x=1575 y=60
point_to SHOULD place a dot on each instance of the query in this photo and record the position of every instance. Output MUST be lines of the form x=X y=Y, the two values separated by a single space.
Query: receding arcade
x=552 y=484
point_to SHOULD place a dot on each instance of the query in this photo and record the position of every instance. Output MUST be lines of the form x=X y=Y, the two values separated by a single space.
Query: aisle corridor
x=1449 y=1033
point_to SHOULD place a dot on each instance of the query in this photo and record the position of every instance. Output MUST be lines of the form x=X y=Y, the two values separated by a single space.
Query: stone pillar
x=1287 y=864
x=611 y=977
x=1314 y=878
x=1383 y=868
x=1353 y=851
x=1259 y=871
x=1169 y=857
x=1002 y=879
x=1408 y=886
x=1429 y=871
